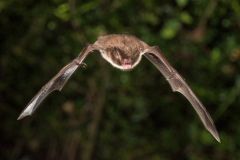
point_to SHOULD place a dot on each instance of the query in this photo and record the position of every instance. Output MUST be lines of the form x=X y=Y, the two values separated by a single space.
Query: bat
x=125 y=52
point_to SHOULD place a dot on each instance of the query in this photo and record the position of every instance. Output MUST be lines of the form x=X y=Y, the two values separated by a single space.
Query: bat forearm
x=175 y=81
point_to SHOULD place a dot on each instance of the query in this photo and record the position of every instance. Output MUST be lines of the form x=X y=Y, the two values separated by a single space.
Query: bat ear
x=116 y=53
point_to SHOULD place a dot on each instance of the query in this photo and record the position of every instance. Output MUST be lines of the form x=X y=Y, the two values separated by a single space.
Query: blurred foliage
x=102 y=112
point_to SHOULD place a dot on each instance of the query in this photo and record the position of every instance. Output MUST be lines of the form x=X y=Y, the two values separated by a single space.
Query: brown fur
x=128 y=44
x=128 y=47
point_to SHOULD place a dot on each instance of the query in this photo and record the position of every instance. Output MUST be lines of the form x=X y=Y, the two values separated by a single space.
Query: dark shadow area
x=105 y=113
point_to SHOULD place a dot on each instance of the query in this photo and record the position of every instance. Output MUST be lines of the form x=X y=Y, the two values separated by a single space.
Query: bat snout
x=126 y=63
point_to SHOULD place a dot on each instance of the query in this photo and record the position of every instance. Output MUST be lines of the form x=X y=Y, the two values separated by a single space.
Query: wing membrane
x=177 y=83
x=58 y=81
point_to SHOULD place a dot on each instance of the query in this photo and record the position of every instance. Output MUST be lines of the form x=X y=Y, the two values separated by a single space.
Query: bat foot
x=84 y=65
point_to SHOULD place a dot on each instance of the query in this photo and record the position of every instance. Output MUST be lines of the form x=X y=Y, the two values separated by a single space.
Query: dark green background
x=103 y=112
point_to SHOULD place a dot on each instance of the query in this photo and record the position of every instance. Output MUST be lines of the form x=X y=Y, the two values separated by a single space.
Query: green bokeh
x=103 y=112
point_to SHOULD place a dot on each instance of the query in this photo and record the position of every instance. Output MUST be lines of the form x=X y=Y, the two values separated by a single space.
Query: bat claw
x=84 y=65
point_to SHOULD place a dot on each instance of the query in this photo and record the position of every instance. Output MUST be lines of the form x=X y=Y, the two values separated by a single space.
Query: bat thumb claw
x=84 y=65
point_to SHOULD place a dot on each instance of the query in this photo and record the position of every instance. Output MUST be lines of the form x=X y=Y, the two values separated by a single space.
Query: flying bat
x=124 y=52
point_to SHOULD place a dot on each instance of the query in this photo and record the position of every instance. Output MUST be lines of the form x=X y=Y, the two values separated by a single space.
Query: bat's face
x=123 y=52
x=123 y=60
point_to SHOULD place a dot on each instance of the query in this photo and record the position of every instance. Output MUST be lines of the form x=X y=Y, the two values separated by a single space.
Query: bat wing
x=177 y=83
x=58 y=81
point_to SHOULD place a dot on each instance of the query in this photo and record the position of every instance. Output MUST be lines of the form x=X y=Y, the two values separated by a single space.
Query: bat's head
x=122 y=51
x=123 y=60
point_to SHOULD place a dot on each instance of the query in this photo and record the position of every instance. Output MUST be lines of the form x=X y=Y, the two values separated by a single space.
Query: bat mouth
x=126 y=63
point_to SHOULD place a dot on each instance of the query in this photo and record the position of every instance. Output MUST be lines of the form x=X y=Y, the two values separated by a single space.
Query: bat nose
x=126 y=61
x=126 y=64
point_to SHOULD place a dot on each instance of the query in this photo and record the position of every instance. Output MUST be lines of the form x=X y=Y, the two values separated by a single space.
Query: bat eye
x=116 y=53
